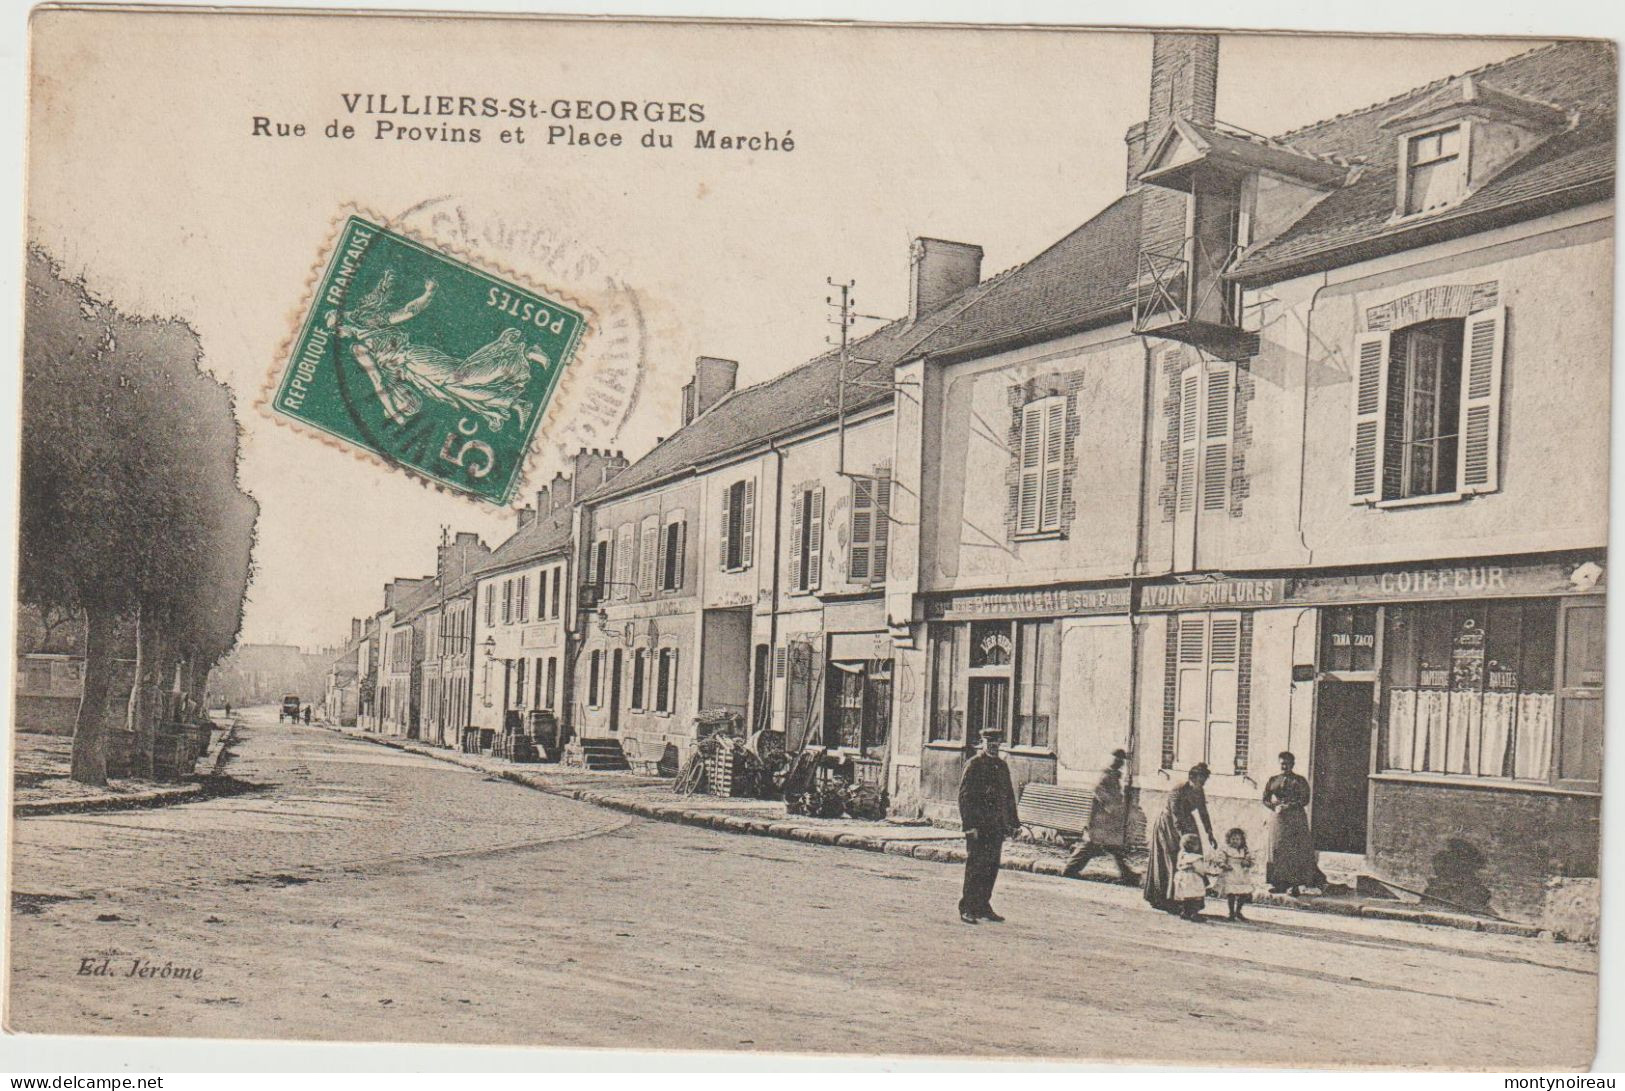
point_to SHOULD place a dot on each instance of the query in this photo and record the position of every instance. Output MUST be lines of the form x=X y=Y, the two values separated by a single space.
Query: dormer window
x=1435 y=170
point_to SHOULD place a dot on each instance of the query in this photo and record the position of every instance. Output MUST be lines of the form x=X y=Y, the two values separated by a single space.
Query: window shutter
x=815 y=541
x=681 y=555
x=882 y=535
x=1031 y=468
x=1190 y=394
x=1477 y=464
x=722 y=532
x=863 y=525
x=747 y=532
x=648 y=549
x=1054 y=452
x=671 y=684
x=1223 y=685
x=1370 y=421
x=1190 y=724
x=625 y=572
x=1216 y=439
x=795 y=541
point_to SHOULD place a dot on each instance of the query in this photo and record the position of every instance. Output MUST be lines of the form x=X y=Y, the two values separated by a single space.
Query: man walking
x=987 y=813
x=1108 y=826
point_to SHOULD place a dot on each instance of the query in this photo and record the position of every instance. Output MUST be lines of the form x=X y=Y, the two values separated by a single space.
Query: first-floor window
x=640 y=659
x=1508 y=690
x=666 y=680
x=1207 y=653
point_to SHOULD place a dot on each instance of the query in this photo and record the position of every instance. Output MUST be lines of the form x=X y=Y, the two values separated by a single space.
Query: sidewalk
x=41 y=785
x=652 y=797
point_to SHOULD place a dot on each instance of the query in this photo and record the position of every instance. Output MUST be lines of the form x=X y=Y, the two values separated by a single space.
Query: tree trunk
x=143 y=707
x=89 y=734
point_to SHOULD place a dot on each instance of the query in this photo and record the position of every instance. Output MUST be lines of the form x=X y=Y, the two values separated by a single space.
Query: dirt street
x=365 y=894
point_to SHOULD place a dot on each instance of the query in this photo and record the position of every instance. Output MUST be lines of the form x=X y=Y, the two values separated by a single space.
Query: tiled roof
x=798 y=399
x=1085 y=277
x=1354 y=222
x=542 y=537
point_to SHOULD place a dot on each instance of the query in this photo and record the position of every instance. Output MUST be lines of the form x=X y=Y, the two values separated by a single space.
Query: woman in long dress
x=1185 y=812
x=1293 y=862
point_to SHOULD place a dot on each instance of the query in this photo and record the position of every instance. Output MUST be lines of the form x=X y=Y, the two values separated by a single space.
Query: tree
x=130 y=502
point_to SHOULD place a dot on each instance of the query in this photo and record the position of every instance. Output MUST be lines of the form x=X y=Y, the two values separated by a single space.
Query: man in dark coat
x=1108 y=826
x=987 y=813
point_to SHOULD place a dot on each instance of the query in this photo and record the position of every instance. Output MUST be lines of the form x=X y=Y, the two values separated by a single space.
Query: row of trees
x=132 y=518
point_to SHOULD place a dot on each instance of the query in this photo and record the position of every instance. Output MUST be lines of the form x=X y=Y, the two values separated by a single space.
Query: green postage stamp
x=431 y=364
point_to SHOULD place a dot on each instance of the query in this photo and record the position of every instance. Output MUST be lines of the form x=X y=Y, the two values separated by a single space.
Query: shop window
x=857 y=711
x=995 y=674
x=1208 y=657
x=869 y=529
x=1472 y=689
x=1427 y=410
x=738 y=528
x=806 y=539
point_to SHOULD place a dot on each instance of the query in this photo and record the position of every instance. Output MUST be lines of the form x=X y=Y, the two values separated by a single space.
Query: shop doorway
x=988 y=703
x=615 y=692
x=1340 y=769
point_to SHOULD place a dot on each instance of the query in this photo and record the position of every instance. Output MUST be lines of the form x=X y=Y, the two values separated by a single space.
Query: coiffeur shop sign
x=1462 y=581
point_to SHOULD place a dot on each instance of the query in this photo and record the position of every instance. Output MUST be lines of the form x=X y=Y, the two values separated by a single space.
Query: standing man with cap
x=1108 y=826
x=987 y=813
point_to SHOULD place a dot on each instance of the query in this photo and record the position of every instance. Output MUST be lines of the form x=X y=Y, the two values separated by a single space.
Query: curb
x=156 y=797
x=787 y=829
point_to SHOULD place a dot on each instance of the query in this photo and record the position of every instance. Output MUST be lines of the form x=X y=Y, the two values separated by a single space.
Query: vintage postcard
x=798 y=538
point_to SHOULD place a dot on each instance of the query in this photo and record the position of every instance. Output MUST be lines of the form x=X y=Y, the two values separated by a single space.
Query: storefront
x=1458 y=725
x=995 y=660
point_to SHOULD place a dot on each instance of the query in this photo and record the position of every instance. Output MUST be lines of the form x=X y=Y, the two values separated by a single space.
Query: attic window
x=1435 y=170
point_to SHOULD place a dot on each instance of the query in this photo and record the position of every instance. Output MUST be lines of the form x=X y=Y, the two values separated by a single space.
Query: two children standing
x=1230 y=868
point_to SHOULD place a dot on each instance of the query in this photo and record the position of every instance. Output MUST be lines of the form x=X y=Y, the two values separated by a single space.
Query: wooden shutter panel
x=747 y=531
x=625 y=559
x=1190 y=717
x=1478 y=460
x=1216 y=438
x=815 y=541
x=795 y=540
x=682 y=556
x=1190 y=395
x=1369 y=436
x=1054 y=450
x=862 y=529
x=722 y=532
x=882 y=535
x=1223 y=685
x=1031 y=468
x=649 y=548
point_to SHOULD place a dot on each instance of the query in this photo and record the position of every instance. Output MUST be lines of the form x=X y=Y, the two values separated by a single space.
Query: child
x=1190 y=878
x=1235 y=872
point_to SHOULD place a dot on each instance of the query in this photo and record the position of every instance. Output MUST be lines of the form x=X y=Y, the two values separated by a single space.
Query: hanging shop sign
x=1210 y=593
x=1462 y=581
x=1042 y=602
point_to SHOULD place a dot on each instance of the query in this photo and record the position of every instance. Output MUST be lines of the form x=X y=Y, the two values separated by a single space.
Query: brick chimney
x=938 y=270
x=544 y=503
x=713 y=380
x=355 y=629
x=592 y=468
x=1184 y=83
x=527 y=516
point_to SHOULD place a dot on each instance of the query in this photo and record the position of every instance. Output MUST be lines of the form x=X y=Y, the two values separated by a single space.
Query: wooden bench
x=1064 y=810
x=1067 y=811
